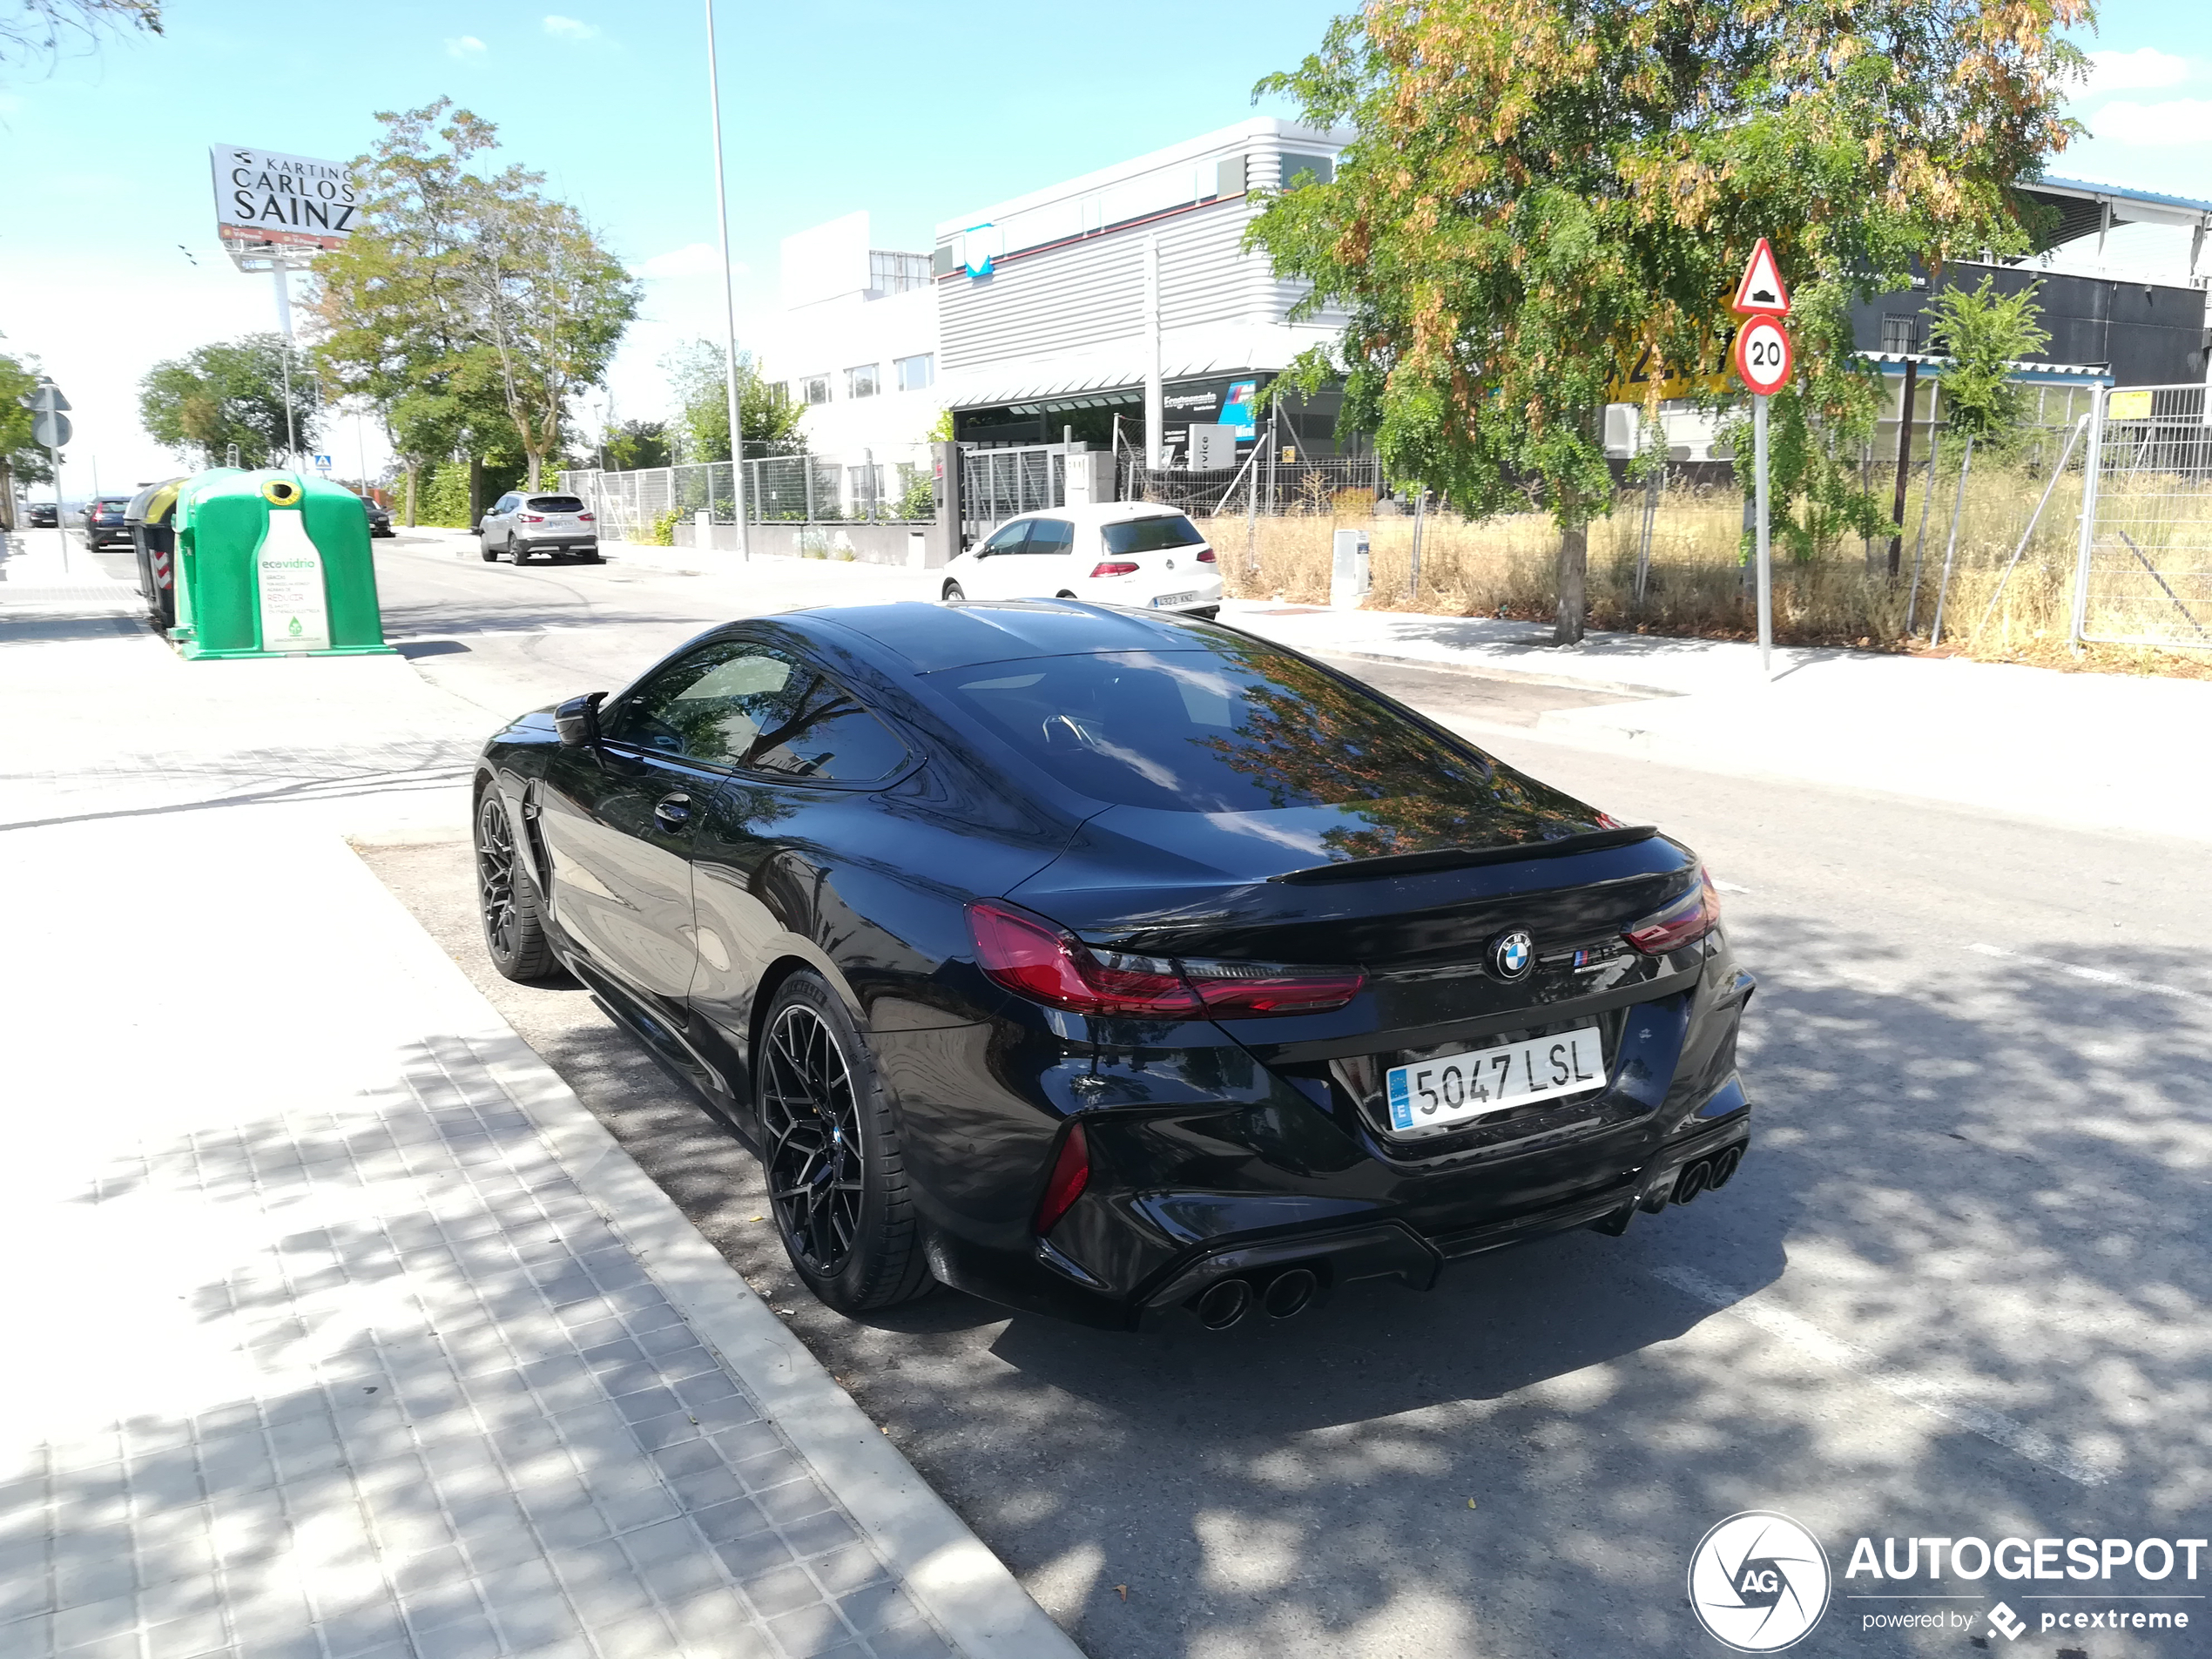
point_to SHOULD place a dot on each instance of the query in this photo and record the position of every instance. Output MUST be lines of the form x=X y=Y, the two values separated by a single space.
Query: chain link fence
x=802 y=488
x=2145 y=563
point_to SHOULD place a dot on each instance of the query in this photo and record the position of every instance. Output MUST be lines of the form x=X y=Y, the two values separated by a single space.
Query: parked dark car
x=103 y=522
x=44 y=516
x=380 y=520
x=1108 y=963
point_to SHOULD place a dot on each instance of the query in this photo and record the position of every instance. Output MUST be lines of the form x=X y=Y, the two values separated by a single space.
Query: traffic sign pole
x=1763 y=359
x=1766 y=562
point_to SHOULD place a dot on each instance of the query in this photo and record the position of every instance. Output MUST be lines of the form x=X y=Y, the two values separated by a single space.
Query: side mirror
x=577 y=720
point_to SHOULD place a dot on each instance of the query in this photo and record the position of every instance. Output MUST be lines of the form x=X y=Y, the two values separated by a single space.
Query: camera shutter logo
x=1759 y=1581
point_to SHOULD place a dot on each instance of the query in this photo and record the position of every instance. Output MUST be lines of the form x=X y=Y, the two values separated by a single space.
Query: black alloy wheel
x=515 y=555
x=507 y=899
x=836 y=1180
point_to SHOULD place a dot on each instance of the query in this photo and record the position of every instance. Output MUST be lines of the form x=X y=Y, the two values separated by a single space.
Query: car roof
x=924 y=637
x=1105 y=512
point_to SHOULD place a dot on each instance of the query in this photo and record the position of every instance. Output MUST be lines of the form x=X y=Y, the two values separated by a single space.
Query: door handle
x=674 y=811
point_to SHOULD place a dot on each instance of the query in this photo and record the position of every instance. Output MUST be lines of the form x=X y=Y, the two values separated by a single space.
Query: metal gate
x=999 y=484
x=2144 y=575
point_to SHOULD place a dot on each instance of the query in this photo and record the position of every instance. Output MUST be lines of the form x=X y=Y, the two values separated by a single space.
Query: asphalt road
x=1959 y=1289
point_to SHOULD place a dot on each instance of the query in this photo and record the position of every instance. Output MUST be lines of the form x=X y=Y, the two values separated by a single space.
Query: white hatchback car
x=1119 y=553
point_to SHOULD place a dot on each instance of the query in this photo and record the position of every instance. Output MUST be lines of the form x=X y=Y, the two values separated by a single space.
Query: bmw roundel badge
x=1511 y=954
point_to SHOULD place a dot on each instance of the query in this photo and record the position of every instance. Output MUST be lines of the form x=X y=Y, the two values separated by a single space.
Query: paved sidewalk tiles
x=514 y=1443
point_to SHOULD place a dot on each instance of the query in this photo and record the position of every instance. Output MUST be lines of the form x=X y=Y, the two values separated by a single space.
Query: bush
x=663 y=531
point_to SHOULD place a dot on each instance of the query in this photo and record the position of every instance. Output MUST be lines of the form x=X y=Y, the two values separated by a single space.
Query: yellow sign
x=1634 y=386
x=2127 y=406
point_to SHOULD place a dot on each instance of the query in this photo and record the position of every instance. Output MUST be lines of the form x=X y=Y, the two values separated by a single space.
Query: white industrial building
x=1126 y=293
x=855 y=346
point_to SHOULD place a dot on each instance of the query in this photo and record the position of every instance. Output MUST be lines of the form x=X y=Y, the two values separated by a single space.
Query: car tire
x=506 y=901
x=592 y=557
x=490 y=553
x=954 y=593
x=515 y=555
x=837 y=1179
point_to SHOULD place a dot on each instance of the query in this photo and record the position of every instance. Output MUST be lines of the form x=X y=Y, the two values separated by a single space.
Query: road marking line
x=2102 y=977
x=1944 y=1400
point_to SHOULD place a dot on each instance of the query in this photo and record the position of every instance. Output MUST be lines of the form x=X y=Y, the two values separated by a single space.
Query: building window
x=814 y=388
x=863 y=382
x=780 y=390
x=1901 y=334
x=915 y=373
x=891 y=273
x=1324 y=168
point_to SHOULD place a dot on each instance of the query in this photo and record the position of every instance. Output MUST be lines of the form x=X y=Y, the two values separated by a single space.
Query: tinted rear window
x=1239 y=728
x=1150 y=534
x=556 y=504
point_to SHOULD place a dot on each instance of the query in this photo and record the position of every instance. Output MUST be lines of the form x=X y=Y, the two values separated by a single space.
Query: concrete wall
x=898 y=543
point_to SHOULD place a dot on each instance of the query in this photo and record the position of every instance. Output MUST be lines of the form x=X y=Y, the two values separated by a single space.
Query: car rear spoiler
x=1459 y=858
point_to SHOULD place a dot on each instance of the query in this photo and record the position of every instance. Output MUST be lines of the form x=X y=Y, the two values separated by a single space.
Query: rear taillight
x=533 y=518
x=584 y=518
x=1032 y=958
x=1070 y=1175
x=1205 y=556
x=1113 y=567
x=1683 y=922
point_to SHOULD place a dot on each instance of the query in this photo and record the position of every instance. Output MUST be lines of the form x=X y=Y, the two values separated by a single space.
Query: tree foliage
x=23 y=461
x=697 y=374
x=229 y=392
x=636 y=444
x=39 y=30
x=1983 y=333
x=1540 y=191
x=468 y=308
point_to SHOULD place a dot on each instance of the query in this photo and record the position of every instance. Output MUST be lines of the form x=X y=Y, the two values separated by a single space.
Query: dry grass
x=1697 y=588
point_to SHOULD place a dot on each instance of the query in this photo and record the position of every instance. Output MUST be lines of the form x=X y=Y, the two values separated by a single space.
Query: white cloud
x=692 y=260
x=2133 y=71
x=464 y=46
x=570 y=28
x=2177 y=121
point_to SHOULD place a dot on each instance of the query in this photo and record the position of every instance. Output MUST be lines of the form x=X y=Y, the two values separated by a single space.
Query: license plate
x=1167 y=599
x=1459 y=1087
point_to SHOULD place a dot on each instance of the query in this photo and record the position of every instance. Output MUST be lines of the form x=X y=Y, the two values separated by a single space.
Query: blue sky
x=913 y=112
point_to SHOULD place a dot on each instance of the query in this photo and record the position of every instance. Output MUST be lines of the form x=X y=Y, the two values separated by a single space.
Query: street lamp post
x=729 y=298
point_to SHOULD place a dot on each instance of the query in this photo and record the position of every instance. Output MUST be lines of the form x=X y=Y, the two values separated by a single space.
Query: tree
x=1542 y=190
x=230 y=393
x=392 y=313
x=1984 y=333
x=549 y=301
x=636 y=444
x=23 y=461
x=39 y=27
x=697 y=374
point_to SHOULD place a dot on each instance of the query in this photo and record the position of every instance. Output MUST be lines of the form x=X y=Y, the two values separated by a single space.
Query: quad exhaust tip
x=1224 y=1303
x=1290 y=1293
x=1693 y=1181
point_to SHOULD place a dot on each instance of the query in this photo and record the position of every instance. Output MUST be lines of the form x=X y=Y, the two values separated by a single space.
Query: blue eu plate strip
x=1401 y=1105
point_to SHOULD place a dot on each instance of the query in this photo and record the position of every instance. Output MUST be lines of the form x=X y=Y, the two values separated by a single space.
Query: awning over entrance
x=2088 y=209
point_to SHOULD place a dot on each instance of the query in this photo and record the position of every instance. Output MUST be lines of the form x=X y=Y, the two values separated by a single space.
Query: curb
x=963 y=1588
x=1488 y=672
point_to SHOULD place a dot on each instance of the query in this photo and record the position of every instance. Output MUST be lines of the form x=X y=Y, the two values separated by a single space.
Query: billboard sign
x=265 y=196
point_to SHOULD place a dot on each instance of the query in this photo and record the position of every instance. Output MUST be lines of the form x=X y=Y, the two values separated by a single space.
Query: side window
x=739 y=704
x=705 y=707
x=1051 y=535
x=1007 y=538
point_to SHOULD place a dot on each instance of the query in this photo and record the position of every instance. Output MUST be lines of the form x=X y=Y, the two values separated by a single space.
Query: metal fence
x=2145 y=563
x=778 y=489
x=1330 y=486
x=998 y=484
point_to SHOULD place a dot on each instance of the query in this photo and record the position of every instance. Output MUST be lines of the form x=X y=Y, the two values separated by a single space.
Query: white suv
x=1121 y=553
x=519 y=524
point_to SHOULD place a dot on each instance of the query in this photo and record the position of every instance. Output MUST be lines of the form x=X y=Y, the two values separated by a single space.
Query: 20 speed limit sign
x=1762 y=355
